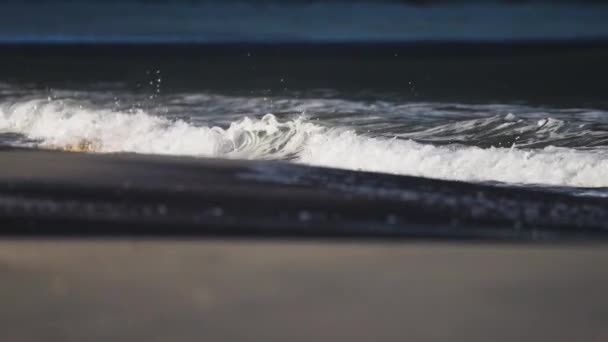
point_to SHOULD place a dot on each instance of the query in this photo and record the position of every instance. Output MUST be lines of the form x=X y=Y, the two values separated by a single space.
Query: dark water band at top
x=556 y=73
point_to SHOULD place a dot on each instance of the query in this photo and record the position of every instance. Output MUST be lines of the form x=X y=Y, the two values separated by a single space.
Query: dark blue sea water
x=297 y=21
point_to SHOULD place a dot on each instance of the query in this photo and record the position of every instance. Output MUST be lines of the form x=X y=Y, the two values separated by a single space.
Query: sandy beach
x=158 y=290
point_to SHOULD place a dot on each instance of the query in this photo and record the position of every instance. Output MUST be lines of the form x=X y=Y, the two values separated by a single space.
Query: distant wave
x=69 y=125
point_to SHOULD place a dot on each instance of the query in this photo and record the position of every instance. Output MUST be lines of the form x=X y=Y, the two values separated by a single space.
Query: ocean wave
x=67 y=125
x=71 y=126
x=510 y=130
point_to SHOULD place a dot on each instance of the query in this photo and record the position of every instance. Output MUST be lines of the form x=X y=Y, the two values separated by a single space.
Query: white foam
x=57 y=124
x=551 y=165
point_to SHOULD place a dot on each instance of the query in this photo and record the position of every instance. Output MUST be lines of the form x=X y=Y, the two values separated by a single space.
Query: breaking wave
x=71 y=126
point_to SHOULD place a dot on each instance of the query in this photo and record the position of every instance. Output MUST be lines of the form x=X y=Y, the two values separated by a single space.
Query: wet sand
x=59 y=193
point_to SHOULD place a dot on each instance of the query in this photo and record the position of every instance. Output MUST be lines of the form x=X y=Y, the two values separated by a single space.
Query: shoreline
x=53 y=193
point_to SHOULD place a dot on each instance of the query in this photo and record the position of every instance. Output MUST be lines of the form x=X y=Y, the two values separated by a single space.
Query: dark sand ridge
x=46 y=192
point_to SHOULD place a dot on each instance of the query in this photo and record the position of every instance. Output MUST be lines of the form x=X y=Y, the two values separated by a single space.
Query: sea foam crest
x=64 y=125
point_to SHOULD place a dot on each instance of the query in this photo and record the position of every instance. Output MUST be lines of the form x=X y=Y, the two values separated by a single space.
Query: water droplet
x=304 y=215
x=217 y=211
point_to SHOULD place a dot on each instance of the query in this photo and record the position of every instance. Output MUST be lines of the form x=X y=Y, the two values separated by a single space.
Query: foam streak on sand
x=65 y=125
